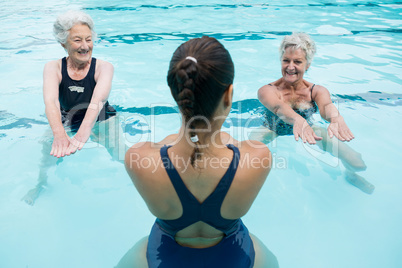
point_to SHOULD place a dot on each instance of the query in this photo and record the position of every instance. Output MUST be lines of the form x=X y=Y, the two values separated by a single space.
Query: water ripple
x=221 y=6
x=252 y=106
x=146 y=37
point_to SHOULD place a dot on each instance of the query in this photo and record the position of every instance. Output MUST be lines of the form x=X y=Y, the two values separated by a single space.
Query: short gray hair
x=66 y=21
x=296 y=41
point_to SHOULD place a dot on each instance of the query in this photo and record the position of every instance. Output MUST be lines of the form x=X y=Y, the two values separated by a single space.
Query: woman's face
x=294 y=65
x=79 y=43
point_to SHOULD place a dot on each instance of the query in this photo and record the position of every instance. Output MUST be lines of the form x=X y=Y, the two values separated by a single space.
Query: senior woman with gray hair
x=75 y=91
x=291 y=101
x=75 y=88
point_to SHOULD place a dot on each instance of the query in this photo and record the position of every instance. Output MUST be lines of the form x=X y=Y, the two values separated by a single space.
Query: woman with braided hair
x=203 y=181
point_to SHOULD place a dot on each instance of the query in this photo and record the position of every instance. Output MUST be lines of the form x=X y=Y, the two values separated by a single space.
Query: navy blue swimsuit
x=76 y=95
x=235 y=250
x=274 y=123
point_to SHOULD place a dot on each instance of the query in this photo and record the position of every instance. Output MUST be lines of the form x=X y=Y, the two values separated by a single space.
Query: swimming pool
x=306 y=213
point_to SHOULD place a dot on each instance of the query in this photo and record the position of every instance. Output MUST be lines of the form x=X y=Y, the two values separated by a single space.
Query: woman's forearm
x=54 y=117
x=91 y=116
x=330 y=113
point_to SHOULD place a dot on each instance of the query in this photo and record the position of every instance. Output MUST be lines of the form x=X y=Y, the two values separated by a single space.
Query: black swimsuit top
x=274 y=123
x=209 y=211
x=76 y=95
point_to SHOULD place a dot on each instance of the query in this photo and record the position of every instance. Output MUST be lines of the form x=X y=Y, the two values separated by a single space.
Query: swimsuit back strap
x=311 y=92
x=182 y=191
x=224 y=184
x=173 y=175
x=64 y=67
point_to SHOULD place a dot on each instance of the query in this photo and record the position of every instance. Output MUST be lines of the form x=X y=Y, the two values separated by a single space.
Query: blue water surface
x=307 y=214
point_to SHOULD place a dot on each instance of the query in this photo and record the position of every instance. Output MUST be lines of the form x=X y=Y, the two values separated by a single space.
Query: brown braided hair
x=197 y=86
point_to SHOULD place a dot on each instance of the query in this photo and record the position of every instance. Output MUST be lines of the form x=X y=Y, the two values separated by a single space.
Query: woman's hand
x=60 y=144
x=302 y=129
x=78 y=141
x=329 y=112
x=339 y=129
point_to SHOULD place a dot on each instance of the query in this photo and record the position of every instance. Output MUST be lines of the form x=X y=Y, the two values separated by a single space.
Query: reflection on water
x=253 y=106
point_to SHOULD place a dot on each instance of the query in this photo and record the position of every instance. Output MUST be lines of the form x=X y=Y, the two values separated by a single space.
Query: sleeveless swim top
x=274 y=123
x=76 y=95
x=208 y=211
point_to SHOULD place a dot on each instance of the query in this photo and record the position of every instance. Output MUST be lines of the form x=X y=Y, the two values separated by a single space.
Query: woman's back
x=199 y=182
x=252 y=167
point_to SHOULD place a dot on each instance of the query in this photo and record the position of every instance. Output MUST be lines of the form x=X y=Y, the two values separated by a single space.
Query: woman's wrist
x=59 y=133
x=336 y=119
x=299 y=120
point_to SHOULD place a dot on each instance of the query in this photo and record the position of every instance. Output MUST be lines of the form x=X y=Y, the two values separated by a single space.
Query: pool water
x=307 y=214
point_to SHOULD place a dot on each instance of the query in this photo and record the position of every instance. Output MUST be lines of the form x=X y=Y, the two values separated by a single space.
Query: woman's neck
x=298 y=85
x=74 y=65
x=208 y=132
x=206 y=138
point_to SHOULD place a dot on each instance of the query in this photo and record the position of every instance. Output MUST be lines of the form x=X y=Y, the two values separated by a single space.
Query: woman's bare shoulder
x=53 y=65
x=169 y=140
x=319 y=91
x=269 y=90
x=146 y=152
x=138 y=153
x=103 y=64
x=254 y=148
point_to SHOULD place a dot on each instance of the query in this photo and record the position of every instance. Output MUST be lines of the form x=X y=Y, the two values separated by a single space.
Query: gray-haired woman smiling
x=78 y=86
x=75 y=92
x=291 y=101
